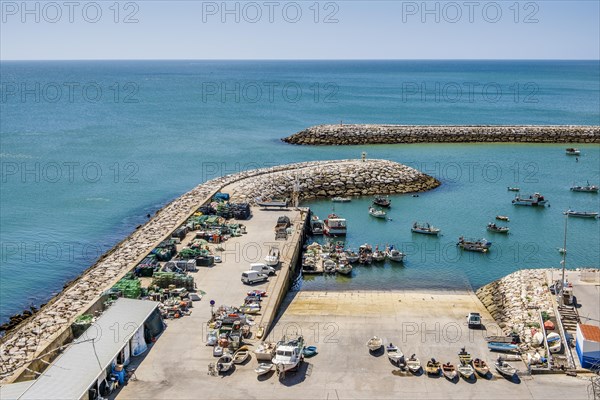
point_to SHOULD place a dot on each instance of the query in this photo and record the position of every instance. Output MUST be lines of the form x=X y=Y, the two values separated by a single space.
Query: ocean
x=89 y=148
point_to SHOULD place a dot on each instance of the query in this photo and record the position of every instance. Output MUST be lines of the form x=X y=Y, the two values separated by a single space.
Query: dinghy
x=449 y=371
x=394 y=353
x=425 y=229
x=497 y=228
x=481 y=367
x=310 y=351
x=241 y=355
x=466 y=371
x=374 y=343
x=263 y=368
x=224 y=362
x=432 y=367
x=377 y=213
x=513 y=189
x=503 y=347
x=505 y=368
x=382 y=201
x=413 y=364
x=502 y=218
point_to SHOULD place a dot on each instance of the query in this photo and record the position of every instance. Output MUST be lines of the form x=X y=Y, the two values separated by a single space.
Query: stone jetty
x=33 y=336
x=349 y=134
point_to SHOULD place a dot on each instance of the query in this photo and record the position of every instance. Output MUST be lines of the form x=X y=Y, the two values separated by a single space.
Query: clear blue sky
x=364 y=30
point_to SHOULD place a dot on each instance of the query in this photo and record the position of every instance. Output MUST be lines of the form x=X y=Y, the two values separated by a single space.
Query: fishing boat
x=377 y=213
x=561 y=250
x=394 y=353
x=503 y=347
x=394 y=255
x=481 y=245
x=572 y=151
x=424 y=229
x=263 y=368
x=272 y=259
x=351 y=256
x=316 y=225
x=432 y=367
x=378 y=255
x=496 y=228
x=466 y=371
x=502 y=218
x=310 y=351
x=340 y=199
x=288 y=353
x=413 y=364
x=587 y=188
x=224 y=362
x=581 y=214
x=329 y=266
x=534 y=200
x=241 y=355
x=449 y=371
x=382 y=201
x=505 y=368
x=512 y=189
x=374 y=343
x=264 y=352
x=481 y=367
x=344 y=269
x=335 y=225
x=272 y=202
x=463 y=356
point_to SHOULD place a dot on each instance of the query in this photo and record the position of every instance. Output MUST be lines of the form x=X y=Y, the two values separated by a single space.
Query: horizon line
x=304 y=59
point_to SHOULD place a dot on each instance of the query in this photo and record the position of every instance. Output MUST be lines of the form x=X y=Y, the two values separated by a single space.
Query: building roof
x=72 y=373
x=590 y=332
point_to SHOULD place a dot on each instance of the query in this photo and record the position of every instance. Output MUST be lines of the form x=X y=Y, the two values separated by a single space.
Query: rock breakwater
x=387 y=134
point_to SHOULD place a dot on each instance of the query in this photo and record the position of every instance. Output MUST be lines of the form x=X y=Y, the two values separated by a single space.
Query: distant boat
x=481 y=245
x=587 y=188
x=310 y=351
x=502 y=218
x=374 y=343
x=513 y=189
x=382 y=201
x=272 y=202
x=534 y=200
x=377 y=213
x=394 y=255
x=341 y=199
x=572 y=151
x=496 y=228
x=503 y=347
x=425 y=229
x=581 y=214
x=344 y=269
x=335 y=225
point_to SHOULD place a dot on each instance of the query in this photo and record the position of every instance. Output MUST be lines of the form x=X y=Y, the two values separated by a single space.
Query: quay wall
x=357 y=134
x=33 y=336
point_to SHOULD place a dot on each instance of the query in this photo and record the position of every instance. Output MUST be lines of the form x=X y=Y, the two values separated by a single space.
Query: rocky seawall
x=388 y=134
x=31 y=337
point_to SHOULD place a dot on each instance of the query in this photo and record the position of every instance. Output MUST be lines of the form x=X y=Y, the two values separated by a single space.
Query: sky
x=148 y=29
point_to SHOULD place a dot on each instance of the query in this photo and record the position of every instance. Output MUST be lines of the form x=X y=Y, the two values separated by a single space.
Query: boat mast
x=563 y=262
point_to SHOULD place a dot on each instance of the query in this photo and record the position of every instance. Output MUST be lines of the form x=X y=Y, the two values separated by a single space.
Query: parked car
x=251 y=277
x=474 y=320
x=262 y=268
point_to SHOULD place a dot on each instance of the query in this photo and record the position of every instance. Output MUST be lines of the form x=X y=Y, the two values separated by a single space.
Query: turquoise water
x=80 y=170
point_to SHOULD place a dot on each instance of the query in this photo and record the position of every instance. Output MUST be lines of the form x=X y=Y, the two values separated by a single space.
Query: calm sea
x=89 y=148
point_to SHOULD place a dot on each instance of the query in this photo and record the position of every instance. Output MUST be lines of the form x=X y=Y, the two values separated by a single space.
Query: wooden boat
x=413 y=364
x=505 y=368
x=496 y=228
x=263 y=368
x=481 y=245
x=503 y=347
x=463 y=356
x=310 y=351
x=224 y=362
x=288 y=353
x=533 y=200
x=377 y=213
x=264 y=352
x=481 y=367
x=432 y=367
x=382 y=201
x=513 y=189
x=341 y=199
x=344 y=269
x=394 y=353
x=425 y=229
x=281 y=203
x=572 y=151
x=374 y=343
x=586 y=188
x=241 y=355
x=581 y=214
x=449 y=371
x=502 y=218
x=466 y=371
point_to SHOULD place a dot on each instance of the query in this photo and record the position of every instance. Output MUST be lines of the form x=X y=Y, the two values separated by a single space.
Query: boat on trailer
x=288 y=354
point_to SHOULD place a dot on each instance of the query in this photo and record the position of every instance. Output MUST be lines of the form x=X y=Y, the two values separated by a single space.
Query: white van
x=262 y=268
x=250 y=277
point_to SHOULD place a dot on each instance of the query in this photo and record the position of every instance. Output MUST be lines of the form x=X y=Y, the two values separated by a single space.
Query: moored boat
x=329 y=266
x=382 y=201
x=374 y=343
x=481 y=245
x=497 y=228
x=344 y=269
x=394 y=254
x=581 y=214
x=316 y=225
x=512 y=189
x=425 y=229
x=351 y=256
x=377 y=213
x=288 y=353
x=378 y=255
x=572 y=151
x=413 y=364
x=449 y=371
x=335 y=225
x=534 y=200
x=340 y=199
x=502 y=218
x=586 y=188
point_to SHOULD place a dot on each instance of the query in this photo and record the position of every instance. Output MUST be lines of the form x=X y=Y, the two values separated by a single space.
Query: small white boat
x=587 y=188
x=377 y=213
x=581 y=214
x=394 y=353
x=466 y=371
x=533 y=200
x=413 y=364
x=481 y=245
x=449 y=371
x=505 y=368
x=425 y=229
x=394 y=255
x=241 y=355
x=329 y=266
x=316 y=225
x=263 y=368
x=502 y=218
x=288 y=354
x=561 y=250
x=340 y=199
x=264 y=352
x=217 y=351
x=512 y=189
x=335 y=225
x=351 y=256
x=492 y=227
x=378 y=255
x=481 y=367
x=572 y=151
x=224 y=362
x=272 y=259
x=374 y=343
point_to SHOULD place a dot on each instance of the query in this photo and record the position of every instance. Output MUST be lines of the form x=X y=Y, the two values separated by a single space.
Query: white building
x=588 y=345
